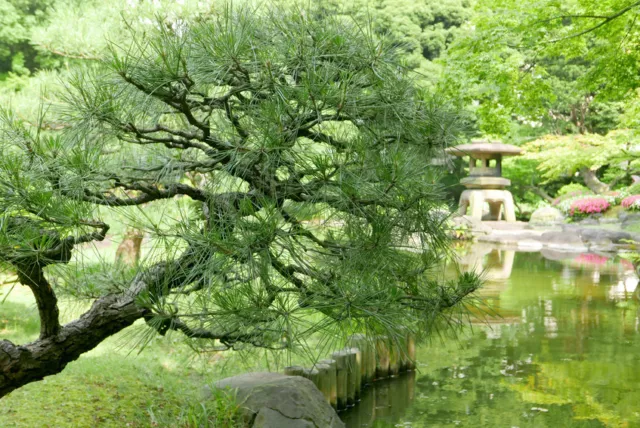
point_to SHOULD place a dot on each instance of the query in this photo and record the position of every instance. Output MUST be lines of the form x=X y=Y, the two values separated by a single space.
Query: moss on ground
x=118 y=384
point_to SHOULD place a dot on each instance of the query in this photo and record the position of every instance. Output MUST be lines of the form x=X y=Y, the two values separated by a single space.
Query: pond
x=565 y=351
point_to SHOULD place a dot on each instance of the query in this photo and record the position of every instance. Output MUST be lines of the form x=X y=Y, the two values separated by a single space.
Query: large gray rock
x=630 y=220
x=510 y=237
x=590 y=221
x=273 y=400
x=630 y=216
x=475 y=226
x=565 y=240
x=603 y=236
x=546 y=215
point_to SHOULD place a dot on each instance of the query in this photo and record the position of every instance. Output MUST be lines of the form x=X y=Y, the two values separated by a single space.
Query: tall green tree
x=284 y=118
x=555 y=67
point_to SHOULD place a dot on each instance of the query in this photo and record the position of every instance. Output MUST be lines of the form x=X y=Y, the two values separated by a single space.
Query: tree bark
x=592 y=181
x=33 y=277
x=22 y=364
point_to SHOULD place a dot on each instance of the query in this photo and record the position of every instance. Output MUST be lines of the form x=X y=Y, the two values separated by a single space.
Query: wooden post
x=372 y=359
x=382 y=351
x=293 y=371
x=360 y=341
x=411 y=351
x=341 y=378
x=313 y=375
x=352 y=372
x=333 y=396
x=324 y=380
x=394 y=359
x=358 y=371
x=403 y=360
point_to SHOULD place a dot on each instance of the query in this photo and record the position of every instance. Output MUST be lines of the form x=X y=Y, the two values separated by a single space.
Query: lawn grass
x=121 y=383
x=117 y=384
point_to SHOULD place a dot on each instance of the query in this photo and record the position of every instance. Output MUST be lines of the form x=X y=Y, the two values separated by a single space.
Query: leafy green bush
x=634 y=189
x=572 y=188
x=563 y=203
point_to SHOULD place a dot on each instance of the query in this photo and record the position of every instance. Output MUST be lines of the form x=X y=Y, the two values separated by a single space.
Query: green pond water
x=565 y=351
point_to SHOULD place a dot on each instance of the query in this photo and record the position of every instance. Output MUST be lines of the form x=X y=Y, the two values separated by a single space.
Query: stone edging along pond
x=313 y=395
x=562 y=237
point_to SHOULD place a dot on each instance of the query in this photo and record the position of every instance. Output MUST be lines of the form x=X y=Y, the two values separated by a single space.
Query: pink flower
x=588 y=206
x=629 y=201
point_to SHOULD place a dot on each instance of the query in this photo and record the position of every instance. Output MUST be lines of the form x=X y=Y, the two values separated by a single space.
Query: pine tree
x=286 y=120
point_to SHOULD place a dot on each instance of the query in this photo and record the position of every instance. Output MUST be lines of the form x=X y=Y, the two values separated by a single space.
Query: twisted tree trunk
x=592 y=181
x=22 y=364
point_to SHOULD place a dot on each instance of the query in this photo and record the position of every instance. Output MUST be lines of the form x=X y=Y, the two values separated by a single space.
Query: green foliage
x=565 y=156
x=634 y=189
x=78 y=30
x=421 y=29
x=573 y=188
x=509 y=68
x=278 y=115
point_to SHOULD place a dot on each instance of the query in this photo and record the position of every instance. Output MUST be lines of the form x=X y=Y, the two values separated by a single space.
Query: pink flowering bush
x=631 y=203
x=585 y=207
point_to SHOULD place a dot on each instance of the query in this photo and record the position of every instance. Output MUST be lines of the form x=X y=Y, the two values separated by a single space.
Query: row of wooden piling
x=342 y=377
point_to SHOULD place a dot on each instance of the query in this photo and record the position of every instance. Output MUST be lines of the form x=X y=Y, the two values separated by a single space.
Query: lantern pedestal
x=500 y=203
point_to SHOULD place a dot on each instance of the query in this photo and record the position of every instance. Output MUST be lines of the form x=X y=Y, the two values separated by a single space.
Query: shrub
x=634 y=189
x=587 y=206
x=572 y=188
x=614 y=197
x=631 y=203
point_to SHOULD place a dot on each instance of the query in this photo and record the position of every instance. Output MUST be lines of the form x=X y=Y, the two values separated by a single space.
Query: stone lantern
x=485 y=182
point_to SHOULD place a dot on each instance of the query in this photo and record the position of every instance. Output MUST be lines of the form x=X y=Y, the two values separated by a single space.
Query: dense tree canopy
x=581 y=155
x=247 y=124
x=561 y=67
x=422 y=29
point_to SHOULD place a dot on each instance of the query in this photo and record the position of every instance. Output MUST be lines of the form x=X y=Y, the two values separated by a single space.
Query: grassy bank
x=119 y=383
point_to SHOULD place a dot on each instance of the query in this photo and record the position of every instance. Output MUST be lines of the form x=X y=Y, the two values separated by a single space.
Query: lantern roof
x=484 y=147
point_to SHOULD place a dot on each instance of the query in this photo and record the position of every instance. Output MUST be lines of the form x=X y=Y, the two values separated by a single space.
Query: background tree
x=519 y=82
x=421 y=29
x=17 y=20
x=530 y=72
x=287 y=118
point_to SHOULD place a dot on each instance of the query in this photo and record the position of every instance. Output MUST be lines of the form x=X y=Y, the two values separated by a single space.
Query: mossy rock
x=270 y=400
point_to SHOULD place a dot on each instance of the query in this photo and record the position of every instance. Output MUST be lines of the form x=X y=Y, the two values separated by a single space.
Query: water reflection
x=383 y=402
x=491 y=262
x=563 y=353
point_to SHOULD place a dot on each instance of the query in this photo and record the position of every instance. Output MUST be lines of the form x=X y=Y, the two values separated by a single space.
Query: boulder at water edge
x=546 y=215
x=273 y=400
